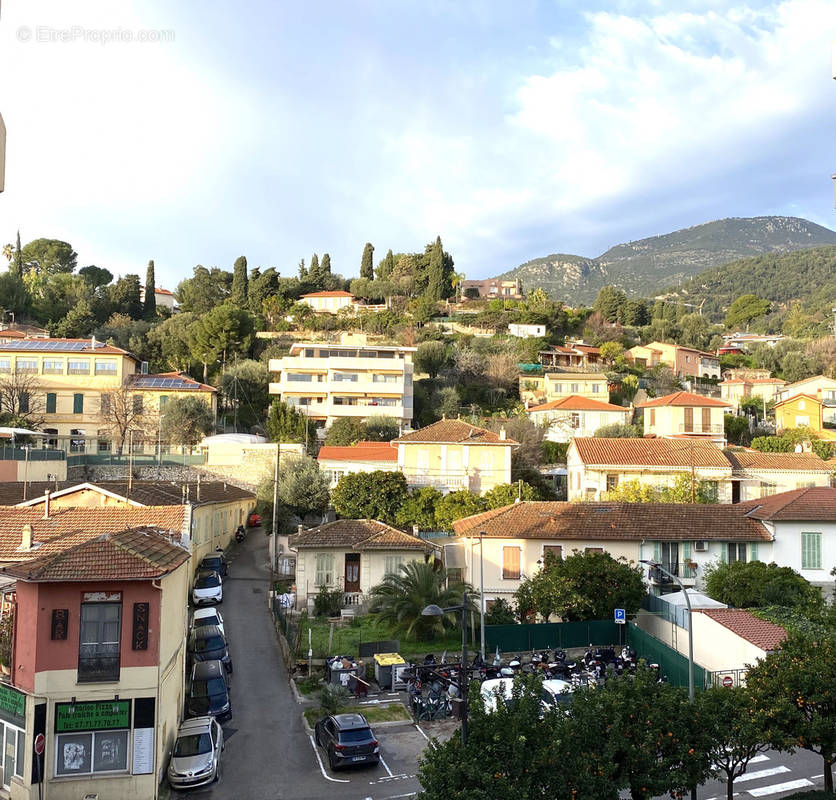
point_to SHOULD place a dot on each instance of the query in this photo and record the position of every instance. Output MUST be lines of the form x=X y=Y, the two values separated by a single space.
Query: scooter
x=240 y=534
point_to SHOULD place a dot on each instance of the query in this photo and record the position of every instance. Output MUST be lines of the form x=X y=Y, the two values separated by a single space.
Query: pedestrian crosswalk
x=775 y=780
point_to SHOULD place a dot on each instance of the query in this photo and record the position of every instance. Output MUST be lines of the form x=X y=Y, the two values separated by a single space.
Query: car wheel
x=331 y=761
x=317 y=738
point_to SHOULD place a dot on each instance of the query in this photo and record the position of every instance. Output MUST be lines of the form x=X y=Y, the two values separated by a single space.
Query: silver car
x=196 y=758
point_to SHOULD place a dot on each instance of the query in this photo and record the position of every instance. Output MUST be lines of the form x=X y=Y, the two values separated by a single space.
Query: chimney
x=502 y=434
x=198 y=487
x=46 y=504
x=93 y=343
x=26 y=538
x=300 y=528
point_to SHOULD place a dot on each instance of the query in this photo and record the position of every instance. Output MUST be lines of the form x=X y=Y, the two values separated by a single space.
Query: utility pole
x=275 y=535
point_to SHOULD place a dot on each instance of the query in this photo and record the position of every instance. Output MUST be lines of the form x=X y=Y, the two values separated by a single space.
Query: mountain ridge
x=647 y=267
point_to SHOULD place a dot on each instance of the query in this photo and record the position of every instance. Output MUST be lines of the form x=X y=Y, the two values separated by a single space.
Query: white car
x=554 y=693
x=496 y=687
x=208 y=588
x=208 y=616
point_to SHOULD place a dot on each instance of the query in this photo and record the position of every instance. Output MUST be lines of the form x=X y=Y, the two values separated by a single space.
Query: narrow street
x=269 y=755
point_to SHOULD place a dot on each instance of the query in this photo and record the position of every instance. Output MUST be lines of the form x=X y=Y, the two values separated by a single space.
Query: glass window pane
x=21 y=741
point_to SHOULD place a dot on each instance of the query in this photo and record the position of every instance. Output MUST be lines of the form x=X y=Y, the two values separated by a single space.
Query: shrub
x=328 y=602
x=332 y=698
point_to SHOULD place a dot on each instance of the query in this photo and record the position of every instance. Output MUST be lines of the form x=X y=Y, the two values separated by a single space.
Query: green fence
x=671 y=663
x=548 y=635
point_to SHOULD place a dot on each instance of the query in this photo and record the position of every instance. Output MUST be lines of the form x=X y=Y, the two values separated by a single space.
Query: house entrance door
x=352 y=572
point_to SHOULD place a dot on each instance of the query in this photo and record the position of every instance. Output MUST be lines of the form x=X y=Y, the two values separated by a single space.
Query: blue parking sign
x=620 y=616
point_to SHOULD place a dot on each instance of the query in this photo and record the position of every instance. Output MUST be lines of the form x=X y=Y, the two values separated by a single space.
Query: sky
x=194 y=132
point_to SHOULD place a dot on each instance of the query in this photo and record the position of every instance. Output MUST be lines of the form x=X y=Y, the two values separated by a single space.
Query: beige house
x=686 y=362
x=361 y=457
x=210 y=511
x=352 y=379
x=756 y=474
x=163 y=298
x=735 y=389
x=576 y=416
x=328 y=302
x=683 y=537
x=684 y=414
x=598 y=466
x=353 y=555
x=453 y=454
x=540 y=389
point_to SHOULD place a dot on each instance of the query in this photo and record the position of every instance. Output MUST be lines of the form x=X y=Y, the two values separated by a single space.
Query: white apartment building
x=353 y=379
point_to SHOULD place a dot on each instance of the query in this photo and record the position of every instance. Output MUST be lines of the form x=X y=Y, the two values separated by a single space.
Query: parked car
x=208 y=616
x=347 y=740
x=209 y=691
x=208 y=644
x=196 y=757
x=494 y=688
x=253 y=520
x=556 y=693
x=216 y=561
x=208 y=588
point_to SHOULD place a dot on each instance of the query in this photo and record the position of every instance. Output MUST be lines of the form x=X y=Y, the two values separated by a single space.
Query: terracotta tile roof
x=808 y=380
x=766 y=635
x=649 y=453
x=454 y=431
x=362 y=451
x=143 y=493
x=357 y=534
x=586 y=348
x=742 y=460
x=339 y=293
x=158 y=290
x=813 y=503
x=569 y=376
x=615 y=521
x=777 y=381
x=134 y=554
x=683 y=399
x=67 y=527
x=577 y=402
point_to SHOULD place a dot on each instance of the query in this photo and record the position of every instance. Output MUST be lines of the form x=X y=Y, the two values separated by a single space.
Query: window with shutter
x=392 y=565
x=78 y=403
x=753 y=551
x=810 y=551
x=511 y=563
x=324 y=569
x=51 y=402
x=706 y=420
x=689 y=420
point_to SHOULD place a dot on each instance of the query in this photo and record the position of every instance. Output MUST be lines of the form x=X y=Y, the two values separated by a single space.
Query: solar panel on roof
x=35 y=344
x=151 y=382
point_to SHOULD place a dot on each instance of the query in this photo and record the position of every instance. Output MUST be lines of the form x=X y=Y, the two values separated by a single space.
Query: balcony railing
x=699 y=428
x=98 y=667
x=449 y=482
x=685 y=571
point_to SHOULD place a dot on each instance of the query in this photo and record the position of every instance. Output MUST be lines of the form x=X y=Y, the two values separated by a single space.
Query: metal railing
x=686 y=570
x=699 y=428
x=31 y=454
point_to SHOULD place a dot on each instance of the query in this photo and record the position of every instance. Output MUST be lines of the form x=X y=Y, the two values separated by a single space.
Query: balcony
x=685 y=571
x=99 y=667
x=699 y=428
x=452 y=482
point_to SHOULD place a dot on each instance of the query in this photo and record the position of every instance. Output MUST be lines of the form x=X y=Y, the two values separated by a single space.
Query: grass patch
x=347 y=639
x=394 y=712
x=311 y=684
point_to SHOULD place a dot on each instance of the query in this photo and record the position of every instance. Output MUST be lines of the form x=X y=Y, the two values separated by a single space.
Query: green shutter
x=753 y=551
x=51 y=400
x=810 y=551
x=686 y=551
x=78 y=404
x=657 y=551
x=724 y=552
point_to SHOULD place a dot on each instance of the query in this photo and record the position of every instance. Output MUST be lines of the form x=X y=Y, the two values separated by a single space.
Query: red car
x=254 y=520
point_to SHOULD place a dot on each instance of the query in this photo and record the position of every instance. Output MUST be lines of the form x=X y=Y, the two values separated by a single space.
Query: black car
x=209 y=691
x=207 y=643
x=348 y=740
x=215 y=561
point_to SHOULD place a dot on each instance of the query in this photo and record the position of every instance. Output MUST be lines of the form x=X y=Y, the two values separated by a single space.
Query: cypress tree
x=239 y=292
x=149 y=304
x=325 y=266
x=386 y=267
x=315 y=275
x=435 y=272
x=303 y=271
x=17 y=261
x=367 y=263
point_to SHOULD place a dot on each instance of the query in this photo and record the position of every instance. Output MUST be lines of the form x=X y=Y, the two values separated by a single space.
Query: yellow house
x=539 y=389
x=352 y=554
x=328 y=302
x=687 y=415
x=803 y=411
x=212 y=510
x=452 y=454
x=74 y=385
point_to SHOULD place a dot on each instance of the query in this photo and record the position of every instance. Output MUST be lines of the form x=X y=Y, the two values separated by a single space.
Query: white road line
x=421 y=731
x=759 y=759
x=322 y=767
x=385 y=766
x=780 y=787
x=764 y=773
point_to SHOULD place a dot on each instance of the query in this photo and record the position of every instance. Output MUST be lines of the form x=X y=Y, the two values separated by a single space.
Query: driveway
x=269 y=755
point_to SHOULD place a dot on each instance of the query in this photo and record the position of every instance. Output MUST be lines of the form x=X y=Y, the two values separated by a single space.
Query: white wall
x=786 y=550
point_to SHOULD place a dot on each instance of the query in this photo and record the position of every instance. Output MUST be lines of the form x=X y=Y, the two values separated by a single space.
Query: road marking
x=421 y=731
x=385 y=766
x=764 y=773
x=780 y=787
x=758 y=759
x=322 y=767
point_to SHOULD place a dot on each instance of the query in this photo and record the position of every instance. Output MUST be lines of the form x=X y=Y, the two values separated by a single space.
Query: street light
x=657 y=565
x=481 y=590
x=433 y=610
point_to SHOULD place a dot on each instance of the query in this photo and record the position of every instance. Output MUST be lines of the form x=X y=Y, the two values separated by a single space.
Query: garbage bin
x=384 y=664
x=340 y=670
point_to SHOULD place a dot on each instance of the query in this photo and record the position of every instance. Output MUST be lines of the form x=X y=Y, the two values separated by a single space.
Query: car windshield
x=208 y=580
x=194 y=744
x=211 y=562
x=210 y=688
x=359 y=735
x=200 y=622
x=202 y=644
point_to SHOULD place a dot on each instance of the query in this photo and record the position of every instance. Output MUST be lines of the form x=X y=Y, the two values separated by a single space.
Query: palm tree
x=400 y=598
x=8 y=252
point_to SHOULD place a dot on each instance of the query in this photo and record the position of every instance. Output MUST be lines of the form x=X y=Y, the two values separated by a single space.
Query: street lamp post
x=433 y=610
x=657 y=565
x=481 y=590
